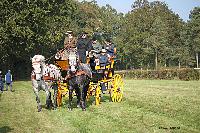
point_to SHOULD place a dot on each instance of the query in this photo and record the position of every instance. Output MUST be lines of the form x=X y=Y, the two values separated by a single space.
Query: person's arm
x=89 y=46
x=78 y=43
x=11 y=77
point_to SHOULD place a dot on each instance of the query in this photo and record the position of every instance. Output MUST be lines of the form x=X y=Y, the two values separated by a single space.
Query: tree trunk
x=197 y=59
x=148 y=66
x=165 y=63
x=179 y=64
x=156 y=60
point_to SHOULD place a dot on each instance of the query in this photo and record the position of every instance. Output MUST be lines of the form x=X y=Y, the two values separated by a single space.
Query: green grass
x=147 y=106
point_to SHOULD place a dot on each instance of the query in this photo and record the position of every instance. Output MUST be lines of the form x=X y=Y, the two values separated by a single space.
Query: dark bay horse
x=79 y=76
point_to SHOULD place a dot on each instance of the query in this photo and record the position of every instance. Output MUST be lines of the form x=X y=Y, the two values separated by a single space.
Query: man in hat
x=110 y=48
x=69 y=45
x=8 y=80
x=104 y=58
x=82 y=46
x=94 y=46
x=70 y=40
x=94 y=49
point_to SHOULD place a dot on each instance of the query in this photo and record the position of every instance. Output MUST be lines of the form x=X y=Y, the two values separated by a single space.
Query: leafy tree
x=194 y=32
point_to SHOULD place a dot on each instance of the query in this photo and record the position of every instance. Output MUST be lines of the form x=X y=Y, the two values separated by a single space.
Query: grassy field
x=149 y=106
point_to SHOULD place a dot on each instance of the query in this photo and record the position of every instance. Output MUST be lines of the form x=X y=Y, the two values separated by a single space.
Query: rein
x=77 y=73
x=48 y=59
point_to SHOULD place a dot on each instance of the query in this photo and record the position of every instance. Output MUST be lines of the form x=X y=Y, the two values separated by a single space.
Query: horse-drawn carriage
x=69 y=74
x=103 y=80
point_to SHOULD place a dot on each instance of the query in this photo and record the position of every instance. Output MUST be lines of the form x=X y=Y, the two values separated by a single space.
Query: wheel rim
x=118 y=87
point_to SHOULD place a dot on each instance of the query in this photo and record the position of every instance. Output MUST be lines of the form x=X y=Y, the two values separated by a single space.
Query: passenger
x=110 y=48
x=94 y=50
x=70 y=40
x=82 y=47
x=104 y=58
x=69 y=45
x=94 y=47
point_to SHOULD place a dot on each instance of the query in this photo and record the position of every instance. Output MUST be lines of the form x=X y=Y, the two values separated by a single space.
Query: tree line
x=150 y=36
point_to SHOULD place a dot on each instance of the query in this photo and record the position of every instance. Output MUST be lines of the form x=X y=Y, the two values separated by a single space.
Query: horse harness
x=77 y=73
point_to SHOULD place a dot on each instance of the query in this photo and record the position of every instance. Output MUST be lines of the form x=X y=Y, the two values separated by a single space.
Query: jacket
x=8 y=78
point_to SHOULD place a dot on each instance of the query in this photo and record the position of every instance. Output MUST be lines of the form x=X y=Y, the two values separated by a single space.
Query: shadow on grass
x=90 y=102
x=104 y=98
x=6 y=129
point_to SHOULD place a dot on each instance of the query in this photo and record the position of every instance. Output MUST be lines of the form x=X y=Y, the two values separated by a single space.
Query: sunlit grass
x=147 y=106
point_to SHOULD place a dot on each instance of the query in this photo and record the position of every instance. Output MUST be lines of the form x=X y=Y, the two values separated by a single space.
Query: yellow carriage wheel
x=98 y=95
x=117 y=88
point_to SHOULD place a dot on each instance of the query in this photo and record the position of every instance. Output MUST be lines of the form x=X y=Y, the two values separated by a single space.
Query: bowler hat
x=103 y=51
x=68 y=32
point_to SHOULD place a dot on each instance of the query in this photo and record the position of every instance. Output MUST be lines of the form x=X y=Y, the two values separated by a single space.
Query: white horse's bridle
x=41 y=70
x=38 y=64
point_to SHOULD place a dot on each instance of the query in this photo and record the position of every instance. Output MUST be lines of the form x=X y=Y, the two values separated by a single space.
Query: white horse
x=43 y=78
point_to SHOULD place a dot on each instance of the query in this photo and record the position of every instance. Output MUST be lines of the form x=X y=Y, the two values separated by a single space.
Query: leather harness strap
x=78 y=73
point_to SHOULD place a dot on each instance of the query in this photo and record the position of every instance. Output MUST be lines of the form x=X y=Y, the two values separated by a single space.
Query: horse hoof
x=39 y=109
x=78 y=106
x=83 y=109
x=70 y=109
x=54 y=108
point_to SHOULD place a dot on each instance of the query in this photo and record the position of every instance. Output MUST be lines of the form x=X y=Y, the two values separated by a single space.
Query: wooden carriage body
x=62 y=64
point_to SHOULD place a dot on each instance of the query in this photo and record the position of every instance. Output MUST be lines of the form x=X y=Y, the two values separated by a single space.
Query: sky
x=180 y=7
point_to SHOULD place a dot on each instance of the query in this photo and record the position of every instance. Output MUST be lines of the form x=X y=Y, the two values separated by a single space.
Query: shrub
x=169 y=74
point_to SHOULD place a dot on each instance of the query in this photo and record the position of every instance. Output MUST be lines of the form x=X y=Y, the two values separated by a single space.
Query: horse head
x=73 y=62
x=38 y=62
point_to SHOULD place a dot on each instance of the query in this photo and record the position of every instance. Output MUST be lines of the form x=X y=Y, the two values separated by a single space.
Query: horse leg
x=39 y=107
x=82 y=99
x=84 y=90
x=55 y=88
x=48 y=99
x=85 y=93
x=48 y=96
x=70 y=97
x=36 y=91
x=78 y=97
